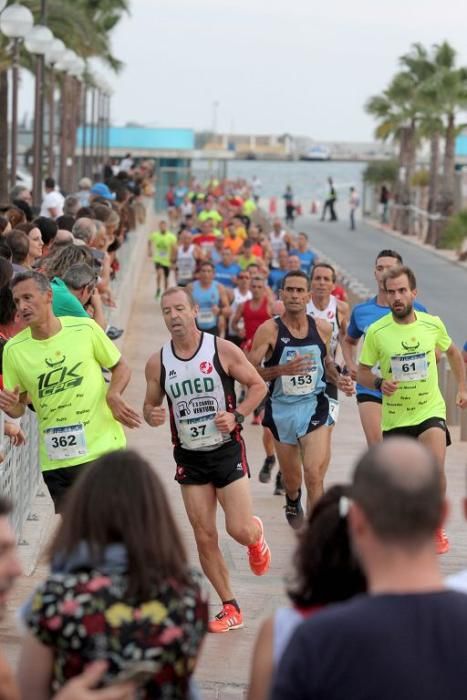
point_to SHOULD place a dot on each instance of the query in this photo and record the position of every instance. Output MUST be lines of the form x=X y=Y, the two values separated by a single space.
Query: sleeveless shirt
x=329 y=314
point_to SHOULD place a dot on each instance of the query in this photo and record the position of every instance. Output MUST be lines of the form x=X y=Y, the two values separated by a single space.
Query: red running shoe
x=259 y=554
x=228 y=619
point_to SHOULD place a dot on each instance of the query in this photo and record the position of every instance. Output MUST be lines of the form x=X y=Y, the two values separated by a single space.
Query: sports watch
x=239 y=417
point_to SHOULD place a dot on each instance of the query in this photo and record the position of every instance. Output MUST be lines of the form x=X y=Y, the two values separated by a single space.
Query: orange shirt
x=233 y=244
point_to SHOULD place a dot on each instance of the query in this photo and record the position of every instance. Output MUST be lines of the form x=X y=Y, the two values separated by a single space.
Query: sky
x=254 y=66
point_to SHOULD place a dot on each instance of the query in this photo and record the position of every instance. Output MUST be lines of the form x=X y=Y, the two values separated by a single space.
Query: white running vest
x=277 y=244
x=196 y=389
x=238 y=298
x=186 y=264
x=329 y=314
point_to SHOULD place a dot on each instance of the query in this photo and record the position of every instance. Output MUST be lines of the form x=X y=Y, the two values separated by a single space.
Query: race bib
x=409 y=368
x=65 y=442
x=299 y=384
x=162 y=253
x=206 y=318
x=185 y=272
x=200 y=433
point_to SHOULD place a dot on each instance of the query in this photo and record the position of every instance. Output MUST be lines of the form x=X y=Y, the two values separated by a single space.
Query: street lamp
x=15 y=22
x=37 y=42
x=55 y=53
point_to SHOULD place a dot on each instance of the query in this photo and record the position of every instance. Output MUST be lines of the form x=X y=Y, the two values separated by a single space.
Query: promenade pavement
x=223 y=668
x=441 y=284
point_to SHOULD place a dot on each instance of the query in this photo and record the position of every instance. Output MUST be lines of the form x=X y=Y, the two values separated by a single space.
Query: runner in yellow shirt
x=56 y=364
x=162 y=245
x=404 y=345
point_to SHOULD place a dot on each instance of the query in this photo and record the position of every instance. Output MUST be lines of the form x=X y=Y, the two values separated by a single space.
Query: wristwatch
x=239 y=417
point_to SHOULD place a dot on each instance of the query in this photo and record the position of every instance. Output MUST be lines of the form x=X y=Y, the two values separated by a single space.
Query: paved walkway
x=224 y=665
x=441 y=284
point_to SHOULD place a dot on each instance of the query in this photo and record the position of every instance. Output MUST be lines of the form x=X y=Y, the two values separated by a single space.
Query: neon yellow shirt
x=406 y=353
x=211 y=214
x=63 y=378
x=249 y=207
x=162 y=244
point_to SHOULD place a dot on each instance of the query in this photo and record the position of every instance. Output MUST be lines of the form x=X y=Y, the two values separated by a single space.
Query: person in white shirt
x=52 y=203
x=354 y=202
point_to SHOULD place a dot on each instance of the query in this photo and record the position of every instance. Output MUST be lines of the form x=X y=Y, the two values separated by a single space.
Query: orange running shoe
x=228 y=619
x=259 y=554
x=442 y=542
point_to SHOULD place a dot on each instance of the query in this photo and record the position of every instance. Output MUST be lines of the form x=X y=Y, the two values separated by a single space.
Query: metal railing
x=20 y=474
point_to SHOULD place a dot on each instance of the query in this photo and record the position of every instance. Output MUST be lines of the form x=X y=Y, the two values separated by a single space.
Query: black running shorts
x=219 y=467
x=416 y=430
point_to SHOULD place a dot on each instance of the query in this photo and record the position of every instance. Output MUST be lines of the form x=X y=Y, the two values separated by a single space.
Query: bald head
x=397 y=485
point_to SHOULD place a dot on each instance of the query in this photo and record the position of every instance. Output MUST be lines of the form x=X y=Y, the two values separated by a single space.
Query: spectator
x=59 y=263
x=52 y=203
x=5 y=226
x=71 y=206
x=48 y=228
x=84 y=193
x=25 y=208
x=115 y=590
x=5 y=250
x=19 y=244
x=9 y=322
x=84 y=230
x=15 y=216
x=407 y=638
x=81 y=687
x=35 y=242
x=326 y=572
x=75 y=291
x=20 y=193
x=101 y=190
x=66 y=222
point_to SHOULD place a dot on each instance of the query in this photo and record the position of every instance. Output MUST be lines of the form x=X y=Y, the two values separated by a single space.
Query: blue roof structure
x=145 y=139
x=461 y=145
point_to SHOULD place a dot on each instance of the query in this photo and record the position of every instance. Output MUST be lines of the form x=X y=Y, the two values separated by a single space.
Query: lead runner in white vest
x=196 y=372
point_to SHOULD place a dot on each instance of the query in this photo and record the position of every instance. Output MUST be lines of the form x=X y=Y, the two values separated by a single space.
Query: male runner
x=404 y=345
x=56 y=364
x=211 y=300
x=238 y=295
x=160 y=246
x=197 y=372
x=324 y=305
x=185 y=258
x=279 y=240
x=294 y=346
x=307 y=256
x=363 y=315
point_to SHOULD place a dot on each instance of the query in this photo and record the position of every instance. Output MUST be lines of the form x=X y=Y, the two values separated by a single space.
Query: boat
x=316 y=153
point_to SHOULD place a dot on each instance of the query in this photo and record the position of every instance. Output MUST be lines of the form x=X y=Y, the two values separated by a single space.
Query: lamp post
x=55 y=53
x=15 y=22
x=37 y=42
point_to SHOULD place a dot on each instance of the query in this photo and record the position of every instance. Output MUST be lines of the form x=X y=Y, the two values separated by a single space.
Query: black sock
x=295 y=500
x=270 y=459
x=231 y=602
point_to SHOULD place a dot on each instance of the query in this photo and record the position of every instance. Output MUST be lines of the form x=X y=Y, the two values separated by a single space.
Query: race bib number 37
x=197 y=434
x=65 y=442
x=409 y=368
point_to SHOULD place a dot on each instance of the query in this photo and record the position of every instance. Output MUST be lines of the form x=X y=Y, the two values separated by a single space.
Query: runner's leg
x=291 y=467
x=370 y=417
x=201 y=505
x=435 y=440
x=235 y=500
x=314 y=450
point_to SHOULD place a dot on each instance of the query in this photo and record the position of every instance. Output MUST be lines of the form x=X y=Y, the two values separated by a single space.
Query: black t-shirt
x=381 y=647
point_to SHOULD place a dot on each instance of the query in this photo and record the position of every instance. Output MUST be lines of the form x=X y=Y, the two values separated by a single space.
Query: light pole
x=55 y=53
x=37 y=42
x=15 y=22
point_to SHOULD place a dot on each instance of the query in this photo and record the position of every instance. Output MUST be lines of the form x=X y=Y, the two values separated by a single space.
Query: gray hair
x=15 y=192
x=71 y=205
x=41 y=281
x=84 y=229
x=79 y=275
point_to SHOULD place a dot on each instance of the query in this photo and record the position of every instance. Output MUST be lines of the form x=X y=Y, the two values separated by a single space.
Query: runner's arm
x=263 y=341
x=456 y=363
x=224 y=302
x=237 y=316
x=239 y=368
x=153 y=413
x=349 y=351
x=121 y=411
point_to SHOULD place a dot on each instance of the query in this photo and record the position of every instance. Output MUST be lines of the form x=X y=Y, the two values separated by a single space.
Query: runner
x=294 y=347
x=277 y=274
x=185 y=258
x=56 y=364
x=324 y=305
x=211 y=300
x=197 y=373
x=240 y=294
x=404 y=345
x=252 y=314
x=363 y=315
x=227 y=271
x=279 y=240
x=307 y=257
x=206 y=238
x=160 y=247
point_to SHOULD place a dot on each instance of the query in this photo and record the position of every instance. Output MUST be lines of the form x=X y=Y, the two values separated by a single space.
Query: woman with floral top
x=120 y=588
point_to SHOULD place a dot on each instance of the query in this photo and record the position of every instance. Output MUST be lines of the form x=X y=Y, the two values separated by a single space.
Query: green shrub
x=421 y=178
x=454 y=233
x=381 y=171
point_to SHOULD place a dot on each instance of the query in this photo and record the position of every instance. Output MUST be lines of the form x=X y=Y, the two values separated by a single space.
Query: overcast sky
x=297 y=66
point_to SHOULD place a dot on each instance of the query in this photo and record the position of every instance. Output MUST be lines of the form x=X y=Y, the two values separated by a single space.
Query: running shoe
x=266 y=469
x=294 y=511
x=279 y=489
x=259 y=554
x=228 y=619
x=442 y=542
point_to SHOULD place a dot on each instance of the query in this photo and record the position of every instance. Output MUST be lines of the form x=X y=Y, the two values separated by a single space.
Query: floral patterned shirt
x=87 y=615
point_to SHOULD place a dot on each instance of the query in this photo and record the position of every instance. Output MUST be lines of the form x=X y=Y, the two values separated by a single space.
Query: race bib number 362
x=65 y=442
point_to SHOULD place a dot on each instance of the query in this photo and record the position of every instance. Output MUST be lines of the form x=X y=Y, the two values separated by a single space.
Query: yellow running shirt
x=162 y=244
x=63 y=378
x=406 y=353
